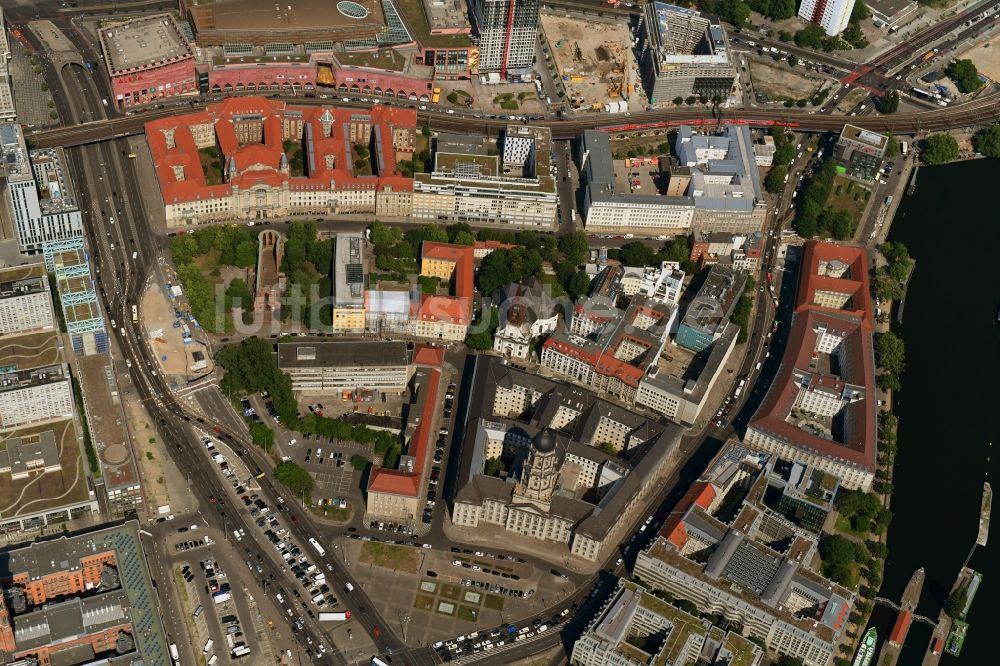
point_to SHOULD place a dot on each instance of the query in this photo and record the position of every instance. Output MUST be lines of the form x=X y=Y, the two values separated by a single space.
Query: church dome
x=545 y=441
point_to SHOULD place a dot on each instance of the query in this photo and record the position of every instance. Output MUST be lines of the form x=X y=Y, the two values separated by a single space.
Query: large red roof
x=455 y=309
x=398 y=482
x=901 y=627
x=329 y=157
x=853 y=282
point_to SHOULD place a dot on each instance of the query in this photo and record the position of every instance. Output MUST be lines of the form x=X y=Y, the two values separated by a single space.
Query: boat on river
x=984 y=514
x=866 y=650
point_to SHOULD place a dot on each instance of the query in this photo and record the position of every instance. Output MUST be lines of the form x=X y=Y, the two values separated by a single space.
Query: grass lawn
x=211 y=165
x=293 y=151
x=416 y=20
x=389 y=556
x=424 y=603
x=843 y=525
x=493 y=602
x=468 y=614
x=330 y=513
x=384 y=59
x=849 y=195
x=450 y=591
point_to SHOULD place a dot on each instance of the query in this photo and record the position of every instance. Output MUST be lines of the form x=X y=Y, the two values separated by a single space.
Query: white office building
x=25 y=303
x=831 y=15
x=39 y=197
x=507 y=31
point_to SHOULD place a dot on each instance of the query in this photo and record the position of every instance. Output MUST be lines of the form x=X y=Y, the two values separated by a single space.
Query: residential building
x=25 y=301
x=739 y=251
x=763 y=151
x=724 y=549
x=725 y=181
x=610 y=206
x=394 y=494
x=148 y=58
x=527 y=312
x=7 y=111
x=468 y=184
x=634 y=628
x=349 y=283
x=482 y=249
x=707 y=315
x=344 y=369
x=275 y=160
x=831 y=15
x=507 y=31
x=559 y=482
x=81 y=598
x=664 y=284
x=609 y=349
x=684 y=54
x=860 y=152
x=890 y=13
x=679 y=384
x=445 y=317
x=38 y=193
x=821 y=407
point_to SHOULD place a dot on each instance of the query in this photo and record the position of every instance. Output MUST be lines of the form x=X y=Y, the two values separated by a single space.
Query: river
x=949 y=403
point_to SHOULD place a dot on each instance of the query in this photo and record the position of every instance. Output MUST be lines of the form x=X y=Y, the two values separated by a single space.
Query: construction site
x=593 y=62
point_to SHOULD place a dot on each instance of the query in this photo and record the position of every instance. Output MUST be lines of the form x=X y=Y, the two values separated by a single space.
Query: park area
x=849 y=195
x=454 y=600
x=594 y=57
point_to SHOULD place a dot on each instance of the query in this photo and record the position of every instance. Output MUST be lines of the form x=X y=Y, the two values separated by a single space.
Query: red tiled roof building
x=252 y=158
x=821 y=407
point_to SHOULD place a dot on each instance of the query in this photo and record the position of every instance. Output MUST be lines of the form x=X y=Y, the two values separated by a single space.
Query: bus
x=436 y=96
x=315 y=544
x=174 y=654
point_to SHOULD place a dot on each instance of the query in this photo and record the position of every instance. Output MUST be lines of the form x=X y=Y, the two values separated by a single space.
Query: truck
x=335 y=617
x=888 y=201
x=174 y=654
x=903 y=147
x=208 y=646
x=214 y=660
x=436 y=95
x=241 y=651
x=221 y=597
x=135 y=314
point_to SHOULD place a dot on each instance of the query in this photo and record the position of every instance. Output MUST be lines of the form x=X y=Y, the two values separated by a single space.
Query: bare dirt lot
x=986 y=57
x=158 y=317
x=851 y=99
x=592 y=55
x=781 y=82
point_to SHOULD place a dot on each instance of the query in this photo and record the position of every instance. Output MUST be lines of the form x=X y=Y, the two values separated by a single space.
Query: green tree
x=987 y=141
x=810 y=37
x=890 y=353
x=262 y=436
x=891 y=147
x=889 y=103
x=296 y=479
x=359 y=462
x=578 y=285
x=574 y=246
x=493 y=467
x=860 y=12
x=793 y=60
x=955 y=604
x=854 y=36
x=183 y=249
x=238 y=295
x=775 y=180
x=965 y=75
x=678 y=100
x=481 y=337
x=382 y=235
x=785 y=660
x=637 y=254
x=691 y=99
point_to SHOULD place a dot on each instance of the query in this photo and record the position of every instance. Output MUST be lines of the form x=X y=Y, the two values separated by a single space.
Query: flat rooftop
x=271 y=16
x=143 y=43
x=447 y=16
x=39 y=494
x=14 y=153
x=307 y=353
x=19 y=354
x=107 y=420
x=861 y=135
x=349 y=271
x=22 y=280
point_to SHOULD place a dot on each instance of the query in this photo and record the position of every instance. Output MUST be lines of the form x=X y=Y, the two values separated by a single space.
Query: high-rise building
x=25 y=303
x=507 y=32
x=831 y=15
x=38 y=194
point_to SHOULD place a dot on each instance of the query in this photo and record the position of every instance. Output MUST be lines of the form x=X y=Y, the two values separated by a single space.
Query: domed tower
x=540 y=472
